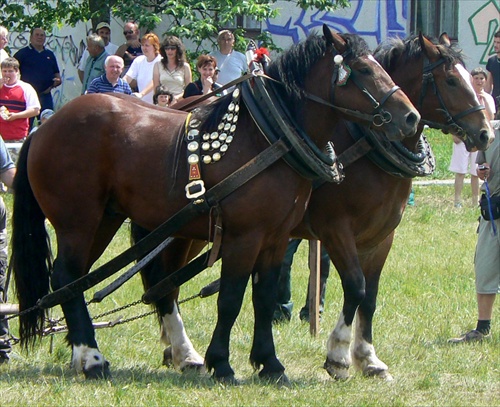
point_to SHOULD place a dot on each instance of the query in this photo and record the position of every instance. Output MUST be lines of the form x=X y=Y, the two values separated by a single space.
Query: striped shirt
x=102 y=85
x=17 y=98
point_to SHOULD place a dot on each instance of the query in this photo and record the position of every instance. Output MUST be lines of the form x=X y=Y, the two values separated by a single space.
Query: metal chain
x=53 y=323
x=26 y=311
x=132 y=304
x=123 y=321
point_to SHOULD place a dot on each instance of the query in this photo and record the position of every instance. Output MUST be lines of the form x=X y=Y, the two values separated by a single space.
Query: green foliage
x=22 y=16
x=192 y=20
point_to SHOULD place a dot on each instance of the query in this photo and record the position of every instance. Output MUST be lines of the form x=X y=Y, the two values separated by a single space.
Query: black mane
x=292 y=67
x=391 y=50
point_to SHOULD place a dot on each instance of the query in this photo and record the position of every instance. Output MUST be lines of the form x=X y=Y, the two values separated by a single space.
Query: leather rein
x=379 y=116
x=451 y=125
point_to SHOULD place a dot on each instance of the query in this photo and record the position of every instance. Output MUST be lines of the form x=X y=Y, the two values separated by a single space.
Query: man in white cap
x=104 y=31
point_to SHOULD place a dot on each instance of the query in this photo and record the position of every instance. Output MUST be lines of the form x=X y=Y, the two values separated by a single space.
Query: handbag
x=495 y=207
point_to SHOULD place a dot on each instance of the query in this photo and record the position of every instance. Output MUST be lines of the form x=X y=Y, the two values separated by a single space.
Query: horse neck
x=412 y=87
x=318 y=122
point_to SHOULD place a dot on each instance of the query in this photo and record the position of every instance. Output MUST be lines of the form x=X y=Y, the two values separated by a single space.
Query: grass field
x=426 y=296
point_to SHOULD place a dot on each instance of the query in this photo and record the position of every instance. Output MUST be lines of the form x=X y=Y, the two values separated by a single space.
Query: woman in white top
x=142 y=67
x=172 y=71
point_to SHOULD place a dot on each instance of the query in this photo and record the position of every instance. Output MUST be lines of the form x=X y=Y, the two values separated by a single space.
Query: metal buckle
x=195 y=189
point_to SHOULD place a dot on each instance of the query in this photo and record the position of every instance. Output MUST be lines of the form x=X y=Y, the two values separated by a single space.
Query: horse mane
x=389 y=52
x=293 y=65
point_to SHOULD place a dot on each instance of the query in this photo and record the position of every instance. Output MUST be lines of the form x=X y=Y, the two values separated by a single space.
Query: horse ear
x=429 y=49
x=328 y=34
x=334 y=39
x=444 y=39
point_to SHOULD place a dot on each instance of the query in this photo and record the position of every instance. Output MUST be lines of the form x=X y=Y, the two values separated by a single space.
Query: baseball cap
x=47 y=113
x=103 y=24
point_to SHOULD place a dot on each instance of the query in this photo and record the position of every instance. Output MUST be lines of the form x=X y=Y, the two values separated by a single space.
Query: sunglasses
x=170 y=47
x=128 y=32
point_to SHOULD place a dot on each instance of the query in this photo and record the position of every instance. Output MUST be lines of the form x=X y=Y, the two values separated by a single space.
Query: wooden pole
x=7 y=309
x=314 y=289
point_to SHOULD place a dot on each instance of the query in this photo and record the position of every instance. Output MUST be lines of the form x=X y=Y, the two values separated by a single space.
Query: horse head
x=464 y=114
x=359 y=83
x=333 y=76
x=435 y=80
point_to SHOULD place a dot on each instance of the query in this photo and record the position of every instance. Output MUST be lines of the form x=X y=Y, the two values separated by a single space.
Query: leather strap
x=218 y=192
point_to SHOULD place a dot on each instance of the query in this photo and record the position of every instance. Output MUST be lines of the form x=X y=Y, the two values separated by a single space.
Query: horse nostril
x=412 y=120
x=484 y=138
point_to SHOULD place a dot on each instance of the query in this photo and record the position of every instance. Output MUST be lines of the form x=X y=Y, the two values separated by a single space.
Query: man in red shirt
x=18 y=102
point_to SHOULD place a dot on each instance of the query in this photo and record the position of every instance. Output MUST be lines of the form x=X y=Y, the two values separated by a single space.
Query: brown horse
x=118 y=159
x=358 y=232
x=356 y=219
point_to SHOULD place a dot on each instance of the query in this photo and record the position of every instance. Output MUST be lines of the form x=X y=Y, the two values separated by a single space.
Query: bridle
x=451 y=125
x=378 y=117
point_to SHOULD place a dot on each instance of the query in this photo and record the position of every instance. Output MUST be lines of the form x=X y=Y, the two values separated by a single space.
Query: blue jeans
x=284 y=305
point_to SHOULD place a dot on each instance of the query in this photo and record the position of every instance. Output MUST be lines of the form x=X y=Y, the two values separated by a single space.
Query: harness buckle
x=195 y=189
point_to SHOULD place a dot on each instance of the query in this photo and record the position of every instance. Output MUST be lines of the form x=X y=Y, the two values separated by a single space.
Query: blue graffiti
x=308 y=21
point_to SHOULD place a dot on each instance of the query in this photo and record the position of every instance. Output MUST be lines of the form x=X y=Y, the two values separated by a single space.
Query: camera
x=482 y=167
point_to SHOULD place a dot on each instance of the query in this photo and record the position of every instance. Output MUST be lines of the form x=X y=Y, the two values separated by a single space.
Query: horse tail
x=31 y=253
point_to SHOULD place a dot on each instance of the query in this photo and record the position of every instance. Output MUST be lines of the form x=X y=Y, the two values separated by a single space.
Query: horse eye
x=365 y=71
x=451 y=81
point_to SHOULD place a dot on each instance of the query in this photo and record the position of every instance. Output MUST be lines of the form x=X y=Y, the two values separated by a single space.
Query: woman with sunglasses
x=172 y=71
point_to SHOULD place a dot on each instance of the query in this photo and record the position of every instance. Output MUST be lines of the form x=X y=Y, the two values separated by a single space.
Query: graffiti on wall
x=484 y=23
x=387 y=18
x=67 y=53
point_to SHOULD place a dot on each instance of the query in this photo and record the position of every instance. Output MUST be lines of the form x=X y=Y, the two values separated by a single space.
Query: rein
x=451 y=125
x=378 y=118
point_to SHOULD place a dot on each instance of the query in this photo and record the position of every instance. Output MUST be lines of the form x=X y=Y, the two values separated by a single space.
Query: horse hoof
x=168 y=359
x=227 y=380
x=279 y=379
x=336 y=370
x=374 y=371
x=98 y=372
x=193 y=368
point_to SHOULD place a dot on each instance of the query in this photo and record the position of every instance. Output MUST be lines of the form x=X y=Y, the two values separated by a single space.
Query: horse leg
x=343 y=253
x=70 y=264
x=236 y=269
x=179 y=350
x=363 y=350
x=264 y=290
x=86 y=357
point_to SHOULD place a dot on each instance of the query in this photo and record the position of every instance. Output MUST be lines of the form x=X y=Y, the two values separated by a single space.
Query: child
x=162 y=97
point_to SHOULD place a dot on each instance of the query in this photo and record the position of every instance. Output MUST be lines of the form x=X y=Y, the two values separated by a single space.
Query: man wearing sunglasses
x=132 y=47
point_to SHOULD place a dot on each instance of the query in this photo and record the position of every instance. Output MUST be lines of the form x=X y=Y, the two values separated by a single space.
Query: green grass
x=426 y=296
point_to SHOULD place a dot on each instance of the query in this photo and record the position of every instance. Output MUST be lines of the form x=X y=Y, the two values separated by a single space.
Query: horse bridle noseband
x=451 y=125
x=378 y=117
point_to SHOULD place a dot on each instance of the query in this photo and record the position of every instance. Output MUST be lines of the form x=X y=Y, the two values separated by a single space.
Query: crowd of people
x=158 y=73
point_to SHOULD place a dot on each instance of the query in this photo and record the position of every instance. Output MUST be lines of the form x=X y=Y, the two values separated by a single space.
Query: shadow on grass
x=55 y=374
